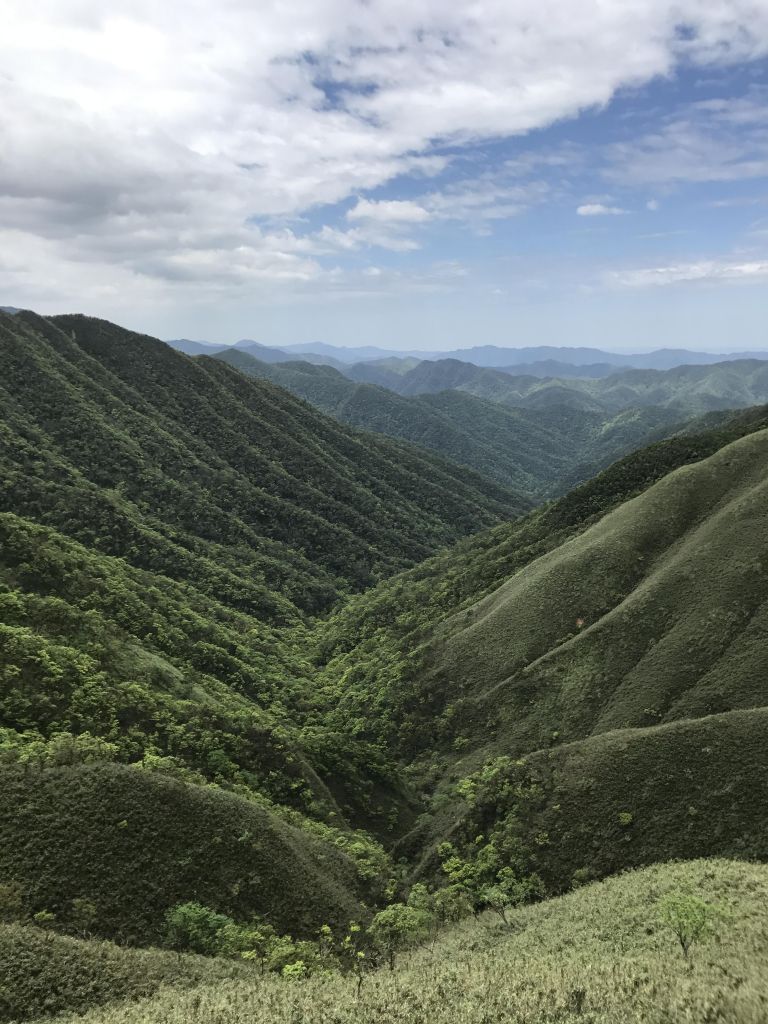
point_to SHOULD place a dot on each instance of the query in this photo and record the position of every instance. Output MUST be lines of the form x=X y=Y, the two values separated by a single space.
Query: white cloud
x=652 y=205
x=598 y=210
x=142 y=142
x=388 y=211
x=703 y=271
x=718 y=140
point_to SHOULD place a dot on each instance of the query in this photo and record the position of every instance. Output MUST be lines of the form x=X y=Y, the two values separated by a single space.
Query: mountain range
x=693 y=390
x=538 y=361
x=536 y=452
x=267 y=670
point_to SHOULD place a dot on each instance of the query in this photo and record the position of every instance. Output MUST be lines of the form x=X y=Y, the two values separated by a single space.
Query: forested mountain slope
x=107 y=426
x=516 y=448
x=166 y=528
x=686 y=390
x=536 y=452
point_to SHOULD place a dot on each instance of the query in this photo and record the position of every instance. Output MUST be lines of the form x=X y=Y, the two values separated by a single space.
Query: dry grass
x=599 y=954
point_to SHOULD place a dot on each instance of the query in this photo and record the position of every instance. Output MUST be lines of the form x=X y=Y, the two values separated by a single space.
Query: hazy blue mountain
x=267 y=353
x=558 y=368
x=535 y=361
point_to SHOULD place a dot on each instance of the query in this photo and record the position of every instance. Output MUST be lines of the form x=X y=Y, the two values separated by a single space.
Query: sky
x=403 y=173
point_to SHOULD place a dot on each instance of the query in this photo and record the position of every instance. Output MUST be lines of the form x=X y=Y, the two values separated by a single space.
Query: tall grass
x=600 y=954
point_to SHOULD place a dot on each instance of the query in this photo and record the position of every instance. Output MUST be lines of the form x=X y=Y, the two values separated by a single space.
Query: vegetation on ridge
x=602 y=954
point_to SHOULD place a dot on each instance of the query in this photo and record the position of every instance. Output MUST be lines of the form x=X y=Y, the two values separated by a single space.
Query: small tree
x=399 y=927
x=252 y=941
x=351 y=957
x=191 y=926
x=509 y=891
x=688 y=916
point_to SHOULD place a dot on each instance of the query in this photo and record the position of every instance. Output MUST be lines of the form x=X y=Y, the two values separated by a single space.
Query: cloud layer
x=155 y=150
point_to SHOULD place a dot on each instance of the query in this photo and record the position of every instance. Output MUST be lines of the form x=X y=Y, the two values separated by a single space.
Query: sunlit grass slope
x=597 y=956
x=657 y=612
x=618 y=577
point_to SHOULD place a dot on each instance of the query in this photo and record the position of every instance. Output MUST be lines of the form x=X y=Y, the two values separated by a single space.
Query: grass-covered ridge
x=385 y=647
x=44 y=974
x=601 y=954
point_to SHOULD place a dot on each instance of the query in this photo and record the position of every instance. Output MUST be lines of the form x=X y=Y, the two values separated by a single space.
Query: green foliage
x=689 y=917
x=109 y=850
x=399 y=927
x=197 y=929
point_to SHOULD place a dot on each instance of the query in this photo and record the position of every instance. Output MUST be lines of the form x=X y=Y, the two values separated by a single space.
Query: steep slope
x=588 y=647
x=513 y=447
x=657 y=612
x=117 y=427
x=167 y=528
x=574 y=620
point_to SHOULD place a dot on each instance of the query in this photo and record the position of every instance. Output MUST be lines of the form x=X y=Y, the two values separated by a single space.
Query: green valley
x=539 y=452
x=305 y=698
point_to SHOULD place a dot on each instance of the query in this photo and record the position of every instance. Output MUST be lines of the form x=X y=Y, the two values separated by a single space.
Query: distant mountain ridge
x=692 y=390
x=536 y=361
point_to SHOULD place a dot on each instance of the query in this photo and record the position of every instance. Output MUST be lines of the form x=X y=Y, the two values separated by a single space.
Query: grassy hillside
x=134 y=843
x=619 y=800
x=620 y=607
x=600 y=954
x=391 y=648
x=657 y=612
